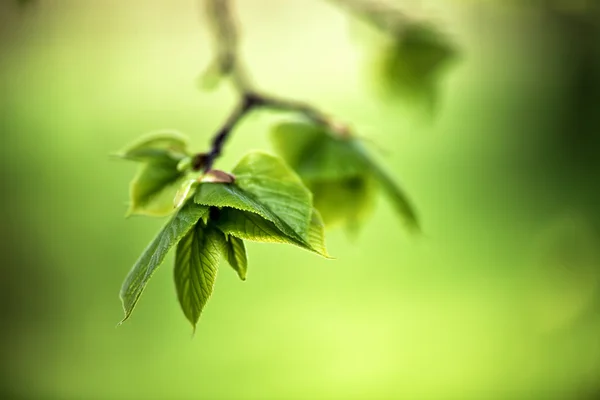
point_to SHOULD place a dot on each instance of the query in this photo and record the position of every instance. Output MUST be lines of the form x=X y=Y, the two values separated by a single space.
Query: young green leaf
x=230 y=195
x=177 y=227
x=235 y=253
x=157 y=146
x=251 y=226
x=154 y=188
x=196 y=262
x=269 y=180
x=165 y=161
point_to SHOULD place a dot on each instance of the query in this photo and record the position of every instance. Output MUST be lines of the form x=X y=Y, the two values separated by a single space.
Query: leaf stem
x=206 y=161
x=249 y=102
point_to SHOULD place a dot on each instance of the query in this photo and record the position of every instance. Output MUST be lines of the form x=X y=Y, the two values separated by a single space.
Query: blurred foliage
x=412 y=64
x=336 y=168
x=412 y=53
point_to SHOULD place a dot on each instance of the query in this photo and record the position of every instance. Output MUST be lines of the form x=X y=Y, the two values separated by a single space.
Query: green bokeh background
x=497 y=300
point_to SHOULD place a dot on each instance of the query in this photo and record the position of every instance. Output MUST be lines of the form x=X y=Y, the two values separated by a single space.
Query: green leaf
x=165 y=161
x=251 y=226
x=269 y=180
x=230 y=195
x=154 y=254
x=154 y=188
x=276 y=205
x=427 y=49
x=235 y=253
x=196 y=262
x=157 y=146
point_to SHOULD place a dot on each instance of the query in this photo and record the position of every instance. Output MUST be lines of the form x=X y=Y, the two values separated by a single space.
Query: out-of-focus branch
x=228 y=64
x=224 y=28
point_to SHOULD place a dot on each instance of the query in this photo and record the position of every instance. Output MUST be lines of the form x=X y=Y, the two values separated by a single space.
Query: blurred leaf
x=412 y=64
x=293 y=140
x=346 y=200
x=154 y=254
x=235 y=253
x=315 y=152
x=338 y=171
x=251 y=226
x=153 y=190
x=196 y=262
x=156 y=147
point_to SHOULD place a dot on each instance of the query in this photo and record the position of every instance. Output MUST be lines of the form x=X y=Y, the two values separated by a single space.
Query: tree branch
x=223 y=25
x=226 y=35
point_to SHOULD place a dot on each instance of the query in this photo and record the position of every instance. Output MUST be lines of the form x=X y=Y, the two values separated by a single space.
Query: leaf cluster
x=325 y=175
x=262 y=200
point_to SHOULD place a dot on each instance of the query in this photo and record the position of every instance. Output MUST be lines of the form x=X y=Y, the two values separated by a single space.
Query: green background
x=498 y=299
